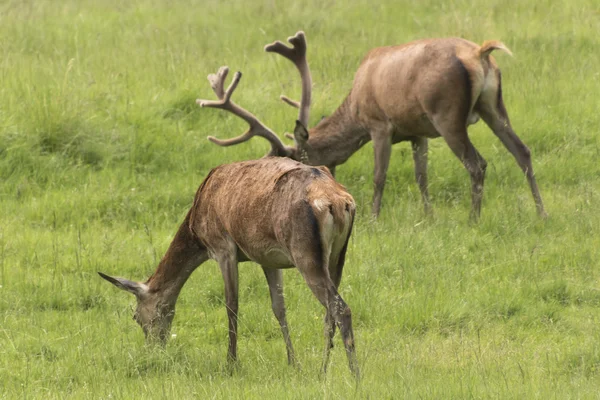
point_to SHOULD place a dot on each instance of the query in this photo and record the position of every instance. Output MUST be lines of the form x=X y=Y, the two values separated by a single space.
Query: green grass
x=102 y=149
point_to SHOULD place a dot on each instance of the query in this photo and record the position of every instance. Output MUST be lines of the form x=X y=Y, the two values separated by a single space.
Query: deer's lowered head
x=152 y=313
x=157 y=296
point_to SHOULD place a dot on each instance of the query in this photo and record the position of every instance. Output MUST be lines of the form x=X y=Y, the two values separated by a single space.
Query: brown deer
x=274 y=211
x=412 y=92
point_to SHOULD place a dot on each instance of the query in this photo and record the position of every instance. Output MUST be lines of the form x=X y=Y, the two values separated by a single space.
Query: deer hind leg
x=454 y=132
x=494 y=114
x=419 y=149
x=229 y=270
x=337 y=310
x=275 y=281
x=310 y=249
x=308 y=256
x=329 y=332
x=336 y=268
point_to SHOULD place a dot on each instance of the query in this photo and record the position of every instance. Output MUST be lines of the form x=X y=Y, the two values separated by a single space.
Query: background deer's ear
x=138 y=289
x=300 y=134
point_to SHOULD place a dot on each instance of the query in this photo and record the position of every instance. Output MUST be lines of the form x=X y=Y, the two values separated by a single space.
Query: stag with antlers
x=412 y=92
x=274 y=211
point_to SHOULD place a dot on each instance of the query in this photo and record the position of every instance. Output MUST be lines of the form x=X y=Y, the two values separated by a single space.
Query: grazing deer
x=274 y=211
x=412 y=92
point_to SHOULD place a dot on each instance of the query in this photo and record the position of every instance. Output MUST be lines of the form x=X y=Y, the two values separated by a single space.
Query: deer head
x=152 y=313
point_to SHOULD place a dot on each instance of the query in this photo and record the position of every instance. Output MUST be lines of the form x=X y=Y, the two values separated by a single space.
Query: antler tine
x=297 y=55
x=294 y=54
x=224 y=101
x=256 y=127
x=217 y=81
x=289 y=101
x=230 y=142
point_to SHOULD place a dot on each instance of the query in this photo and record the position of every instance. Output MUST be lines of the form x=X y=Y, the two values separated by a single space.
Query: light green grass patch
x=102 y=149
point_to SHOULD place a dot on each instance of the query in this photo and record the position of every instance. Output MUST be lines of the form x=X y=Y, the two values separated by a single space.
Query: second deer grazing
x=274 y=211
x=412 y=92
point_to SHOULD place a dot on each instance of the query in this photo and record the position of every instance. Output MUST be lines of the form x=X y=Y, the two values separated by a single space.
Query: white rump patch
x=490 y=82
x=327 y=237
x=320 y=204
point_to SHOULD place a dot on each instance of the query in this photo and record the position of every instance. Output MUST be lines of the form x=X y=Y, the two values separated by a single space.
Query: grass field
x=102 y=148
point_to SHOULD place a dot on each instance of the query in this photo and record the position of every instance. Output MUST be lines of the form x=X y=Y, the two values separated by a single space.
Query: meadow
x=102 y=148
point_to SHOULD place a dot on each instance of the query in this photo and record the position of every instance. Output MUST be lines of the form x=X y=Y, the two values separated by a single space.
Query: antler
x=297 y=55
x=289 y=101
x=257 y=128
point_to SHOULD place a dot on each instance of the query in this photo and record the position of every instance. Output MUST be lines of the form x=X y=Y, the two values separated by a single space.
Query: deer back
x=266 y=206
x=402 y=84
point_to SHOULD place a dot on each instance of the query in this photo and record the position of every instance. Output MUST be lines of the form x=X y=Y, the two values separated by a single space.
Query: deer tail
x=490 y=45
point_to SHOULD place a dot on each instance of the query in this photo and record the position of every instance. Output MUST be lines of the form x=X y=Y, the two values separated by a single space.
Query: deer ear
x=138 y=289
x=300 y=134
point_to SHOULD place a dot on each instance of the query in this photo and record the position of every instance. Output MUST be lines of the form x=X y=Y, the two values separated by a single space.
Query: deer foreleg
x=382 y=144
x=419 y=148
x=229 y=270
x=275 y=281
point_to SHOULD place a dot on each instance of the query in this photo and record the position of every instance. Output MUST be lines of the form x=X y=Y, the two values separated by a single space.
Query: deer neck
x=184 y=255
x=333 y=140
